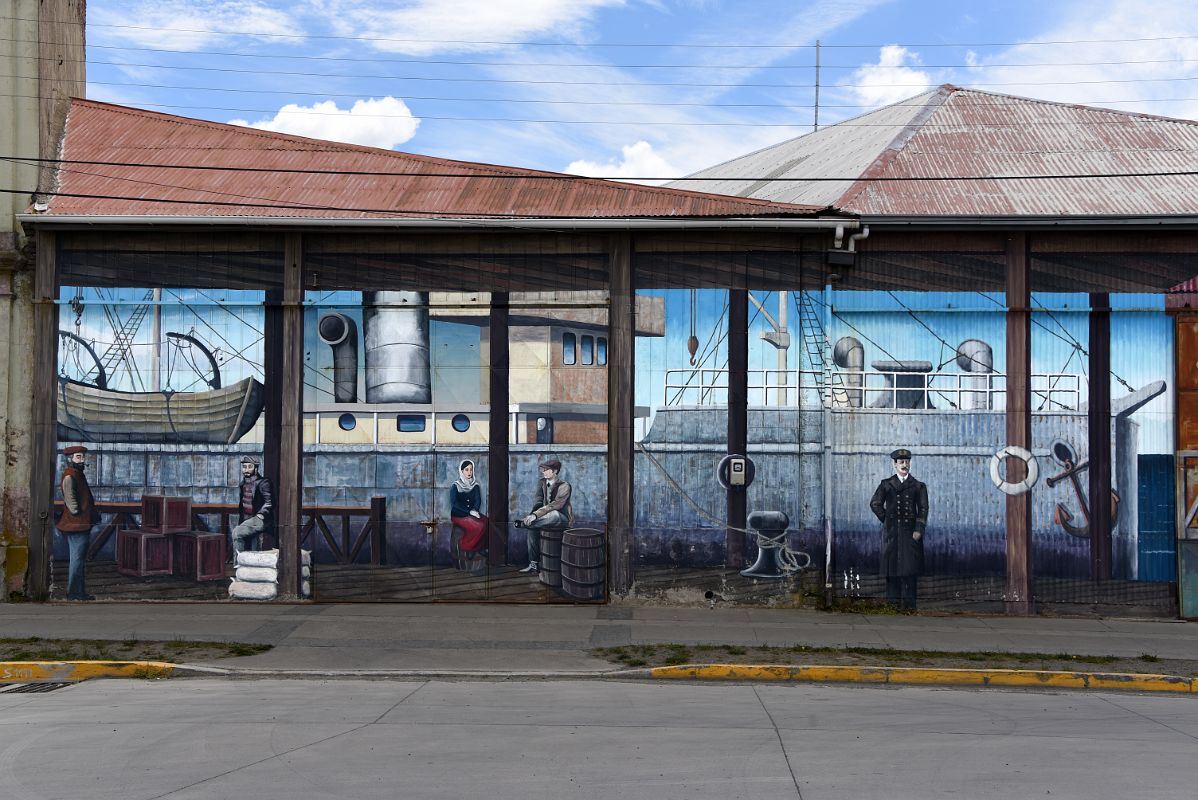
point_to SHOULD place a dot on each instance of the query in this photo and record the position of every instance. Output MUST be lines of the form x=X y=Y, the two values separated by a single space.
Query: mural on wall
x=166 y=390
x=855 y=375
x=161 y=397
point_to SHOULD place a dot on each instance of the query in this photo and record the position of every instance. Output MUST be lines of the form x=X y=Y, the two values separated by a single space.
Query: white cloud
x=892 y=79
x=385 y=122
x=189 y=24
x=639 y=161
x=420 y=27
x=1145 y=72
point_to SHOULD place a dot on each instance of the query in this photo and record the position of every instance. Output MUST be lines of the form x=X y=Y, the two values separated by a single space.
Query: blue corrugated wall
x=1158 y=540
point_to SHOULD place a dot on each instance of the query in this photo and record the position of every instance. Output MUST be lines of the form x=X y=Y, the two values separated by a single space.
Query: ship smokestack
x=849 y=354
x=340 y=333
x=974 y=355
x=395 y=331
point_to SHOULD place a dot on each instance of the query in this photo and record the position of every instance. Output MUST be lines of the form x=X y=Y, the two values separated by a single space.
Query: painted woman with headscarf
x=466 y=500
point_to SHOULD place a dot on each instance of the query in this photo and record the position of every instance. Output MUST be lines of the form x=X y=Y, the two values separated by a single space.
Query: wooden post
x=498 y=436
x=1019 y=422
x=738 y=418
x=44 y=439
x=290 y=483
x=621 y=337
x=378 y=530
x=272 y=369
x=1099 y=429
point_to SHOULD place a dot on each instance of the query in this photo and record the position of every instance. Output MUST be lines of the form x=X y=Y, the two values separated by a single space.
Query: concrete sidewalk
x=527 y=639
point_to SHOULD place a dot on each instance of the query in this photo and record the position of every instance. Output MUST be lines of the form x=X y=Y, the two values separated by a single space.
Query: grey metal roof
x=844 y=149
x=985 y=139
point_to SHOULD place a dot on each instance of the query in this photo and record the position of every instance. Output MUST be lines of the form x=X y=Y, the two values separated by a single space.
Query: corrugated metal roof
x=843 y=150
x=954 y=132
x=158 y=144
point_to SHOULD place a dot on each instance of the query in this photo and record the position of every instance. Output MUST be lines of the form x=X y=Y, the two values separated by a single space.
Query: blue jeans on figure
x=77 y=549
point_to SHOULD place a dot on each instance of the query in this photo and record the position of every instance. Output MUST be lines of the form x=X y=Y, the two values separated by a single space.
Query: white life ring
x=1024 y=486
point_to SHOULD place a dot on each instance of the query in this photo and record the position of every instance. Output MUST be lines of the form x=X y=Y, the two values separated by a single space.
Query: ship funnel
x=340 y=333
x=395 y=331
x=974 y=355
x=849 y=354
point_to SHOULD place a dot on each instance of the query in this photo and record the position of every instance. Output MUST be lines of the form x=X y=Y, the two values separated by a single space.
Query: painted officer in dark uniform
x=901 y=504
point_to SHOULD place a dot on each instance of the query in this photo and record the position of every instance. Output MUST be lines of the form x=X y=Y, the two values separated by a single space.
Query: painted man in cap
x=78 y=517
x=551 y=509
x=256 y=504
x=901 y=505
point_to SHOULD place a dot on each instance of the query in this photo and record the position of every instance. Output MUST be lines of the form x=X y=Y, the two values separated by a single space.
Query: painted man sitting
x=256 y=504
x=551 y=509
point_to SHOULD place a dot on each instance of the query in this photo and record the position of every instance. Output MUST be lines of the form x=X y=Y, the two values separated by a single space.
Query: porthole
x=347 y=422
x=460 y=423
x=601 y=351
x=588 y=350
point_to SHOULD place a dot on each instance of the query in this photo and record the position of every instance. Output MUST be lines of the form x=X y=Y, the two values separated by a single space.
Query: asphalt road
x=524 y=740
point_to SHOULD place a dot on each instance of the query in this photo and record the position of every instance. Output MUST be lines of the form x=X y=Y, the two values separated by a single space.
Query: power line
x=456 y=62
x=687 y=84
x=526 y=101
x=549 y=176
x=301 y=111
x=694 y=46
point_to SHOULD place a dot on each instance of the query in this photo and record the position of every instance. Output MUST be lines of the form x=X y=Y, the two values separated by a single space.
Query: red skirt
x=474 y=532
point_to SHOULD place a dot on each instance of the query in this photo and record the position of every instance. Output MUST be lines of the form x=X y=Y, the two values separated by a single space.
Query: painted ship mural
x=397 y=399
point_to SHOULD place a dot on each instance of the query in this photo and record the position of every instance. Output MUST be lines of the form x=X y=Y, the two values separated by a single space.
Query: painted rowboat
x=87 y=413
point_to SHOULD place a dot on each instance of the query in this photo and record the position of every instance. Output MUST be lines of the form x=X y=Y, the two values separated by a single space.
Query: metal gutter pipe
x=459 y=223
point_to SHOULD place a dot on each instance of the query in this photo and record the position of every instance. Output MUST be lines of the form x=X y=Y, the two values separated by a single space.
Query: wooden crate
x=140 y=553
x=162 y=514
x=199 y=555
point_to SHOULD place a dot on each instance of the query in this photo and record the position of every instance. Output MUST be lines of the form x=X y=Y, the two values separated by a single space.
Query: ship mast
x=156 y=346
x=779 y=337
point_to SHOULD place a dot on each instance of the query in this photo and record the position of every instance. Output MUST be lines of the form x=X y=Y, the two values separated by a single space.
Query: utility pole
x=817 y=84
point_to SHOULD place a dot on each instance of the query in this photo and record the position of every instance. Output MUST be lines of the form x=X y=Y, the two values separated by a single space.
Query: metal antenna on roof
x=817 y=84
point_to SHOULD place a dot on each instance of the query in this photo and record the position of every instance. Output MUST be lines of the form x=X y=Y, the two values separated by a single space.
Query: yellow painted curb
x=66 y=671
x=937 y=677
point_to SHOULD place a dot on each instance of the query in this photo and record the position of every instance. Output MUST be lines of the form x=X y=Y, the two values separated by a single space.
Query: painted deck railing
x=965 y=391
x=346 y=543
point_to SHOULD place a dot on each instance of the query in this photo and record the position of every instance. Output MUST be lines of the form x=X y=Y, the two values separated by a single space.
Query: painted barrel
x=584 y=564
x=551 y=557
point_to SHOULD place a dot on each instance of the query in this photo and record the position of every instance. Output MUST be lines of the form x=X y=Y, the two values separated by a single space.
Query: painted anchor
x=1066 y=456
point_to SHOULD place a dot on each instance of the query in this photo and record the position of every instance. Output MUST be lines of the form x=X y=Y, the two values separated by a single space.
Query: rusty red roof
x=979 y=137
x=151 y=161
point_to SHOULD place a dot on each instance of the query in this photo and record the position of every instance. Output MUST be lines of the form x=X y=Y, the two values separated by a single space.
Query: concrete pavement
x=529 y=639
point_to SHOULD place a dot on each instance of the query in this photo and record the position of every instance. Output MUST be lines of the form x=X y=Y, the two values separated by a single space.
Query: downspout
x=857 y=237
x=826 y=460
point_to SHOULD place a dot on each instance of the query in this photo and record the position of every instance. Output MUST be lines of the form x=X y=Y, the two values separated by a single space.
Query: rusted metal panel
x=979 y=136
x=156 y=145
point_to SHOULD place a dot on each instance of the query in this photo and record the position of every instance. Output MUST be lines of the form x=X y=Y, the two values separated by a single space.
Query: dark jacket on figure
x=264 y=498
x=462 y=503
x=555 y=499
x=76 y=492
x=902 y=508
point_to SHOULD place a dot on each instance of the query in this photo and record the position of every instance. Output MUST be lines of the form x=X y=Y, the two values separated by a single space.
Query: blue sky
x=618 y=88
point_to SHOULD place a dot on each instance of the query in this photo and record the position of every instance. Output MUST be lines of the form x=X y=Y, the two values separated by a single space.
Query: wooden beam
x=290 y=484
x=1019 y=422
x=44 y=439
x=272 y=366
x=738 y=419
x=498 y=439
x=620 y=384
x=1098 y=423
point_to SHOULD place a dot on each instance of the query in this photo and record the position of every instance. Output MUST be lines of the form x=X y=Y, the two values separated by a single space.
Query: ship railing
x=798 y=388
x=333 y=523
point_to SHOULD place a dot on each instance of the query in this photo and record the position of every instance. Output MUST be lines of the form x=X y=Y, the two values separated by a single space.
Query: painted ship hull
x=219 y=416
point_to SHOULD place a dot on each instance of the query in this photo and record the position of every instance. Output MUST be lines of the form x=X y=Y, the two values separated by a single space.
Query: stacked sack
x=257 y=575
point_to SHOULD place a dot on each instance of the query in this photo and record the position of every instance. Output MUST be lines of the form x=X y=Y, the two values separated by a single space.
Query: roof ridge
x=1076 y=106
x=475 y=166
x=809 y=134
x=941 y=95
